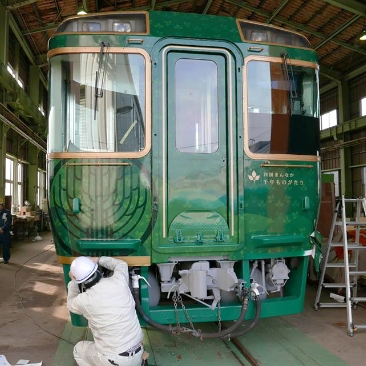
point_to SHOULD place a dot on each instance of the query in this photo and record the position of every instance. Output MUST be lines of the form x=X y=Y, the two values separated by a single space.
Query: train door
x=198 y=151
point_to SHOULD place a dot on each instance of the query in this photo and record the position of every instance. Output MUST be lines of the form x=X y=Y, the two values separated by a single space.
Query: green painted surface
x=70 y=336
x=275 y=342
x=167 y=350
x=272 y=342
x=167 y=204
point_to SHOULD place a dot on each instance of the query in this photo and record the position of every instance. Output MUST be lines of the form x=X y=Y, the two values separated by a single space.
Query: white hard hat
x=82 y=268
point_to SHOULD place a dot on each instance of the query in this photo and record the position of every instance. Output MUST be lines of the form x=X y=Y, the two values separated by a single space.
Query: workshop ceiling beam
x=12 y=5
x=24 y=45
x=330 y=73
x=207 y=6
x=41 y=29
x=352 y=6
x=279 y=8
x=339 y=30
x=298 y=26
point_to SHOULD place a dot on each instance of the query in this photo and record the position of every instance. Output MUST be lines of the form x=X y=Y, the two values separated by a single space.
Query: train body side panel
x=98 y=208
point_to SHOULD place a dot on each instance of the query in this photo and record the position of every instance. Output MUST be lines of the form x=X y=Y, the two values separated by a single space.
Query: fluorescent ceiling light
x=82 y=11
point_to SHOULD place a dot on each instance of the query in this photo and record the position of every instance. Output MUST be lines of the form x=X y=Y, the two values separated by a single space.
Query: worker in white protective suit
x=108 y=305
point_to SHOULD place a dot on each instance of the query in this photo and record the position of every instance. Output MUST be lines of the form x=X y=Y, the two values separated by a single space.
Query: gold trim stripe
x=110 y=155
x=268 y=165
x=92 y=16
x=144 y=261
x=98 y=164
x=254 y=156
x=269 y=27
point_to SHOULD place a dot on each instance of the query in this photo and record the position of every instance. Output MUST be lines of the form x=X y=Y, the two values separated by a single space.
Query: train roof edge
x=156 y=23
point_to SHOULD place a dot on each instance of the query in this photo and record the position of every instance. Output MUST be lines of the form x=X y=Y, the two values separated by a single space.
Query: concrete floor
x=33 y=312
x=32 y=303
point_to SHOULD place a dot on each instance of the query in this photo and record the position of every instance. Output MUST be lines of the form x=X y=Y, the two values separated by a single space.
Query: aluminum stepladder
x=349 y=264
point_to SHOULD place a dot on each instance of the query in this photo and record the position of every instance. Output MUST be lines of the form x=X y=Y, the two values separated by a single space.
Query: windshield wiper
x=289 y=75
x=100 y=75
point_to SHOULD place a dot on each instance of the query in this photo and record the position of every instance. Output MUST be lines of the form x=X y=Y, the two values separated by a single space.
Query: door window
x=196 y=106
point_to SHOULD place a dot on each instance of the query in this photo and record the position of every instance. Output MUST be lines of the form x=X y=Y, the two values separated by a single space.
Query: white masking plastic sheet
x=4 y=362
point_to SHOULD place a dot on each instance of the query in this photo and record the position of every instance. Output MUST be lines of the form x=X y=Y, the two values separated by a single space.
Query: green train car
x=188 y=145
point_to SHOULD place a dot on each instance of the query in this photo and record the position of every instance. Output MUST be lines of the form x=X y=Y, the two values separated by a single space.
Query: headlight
x=123 y=27
x=259 y=36
x=91 y=27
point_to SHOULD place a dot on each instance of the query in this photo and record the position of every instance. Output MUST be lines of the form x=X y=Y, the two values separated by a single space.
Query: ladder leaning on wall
x=350 y=263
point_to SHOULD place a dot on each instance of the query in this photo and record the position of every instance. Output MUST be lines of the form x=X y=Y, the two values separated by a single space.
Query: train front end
x=193 y=158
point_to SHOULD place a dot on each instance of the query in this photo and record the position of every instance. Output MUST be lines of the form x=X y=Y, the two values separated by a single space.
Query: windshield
x=282 y=108
x=97 y=102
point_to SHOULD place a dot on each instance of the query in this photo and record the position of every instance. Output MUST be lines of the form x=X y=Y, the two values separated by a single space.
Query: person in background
x=108 y=305
x=5 y=227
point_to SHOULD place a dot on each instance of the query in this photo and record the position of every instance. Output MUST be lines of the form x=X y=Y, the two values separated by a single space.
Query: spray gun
x=254 y=287
x=135 y=280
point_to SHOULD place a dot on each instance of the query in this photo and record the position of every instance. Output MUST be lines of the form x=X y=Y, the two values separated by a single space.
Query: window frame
x=280 y=155
x=55 y=117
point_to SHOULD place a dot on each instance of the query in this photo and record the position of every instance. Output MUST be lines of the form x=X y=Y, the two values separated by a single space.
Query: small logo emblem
x=254 y=177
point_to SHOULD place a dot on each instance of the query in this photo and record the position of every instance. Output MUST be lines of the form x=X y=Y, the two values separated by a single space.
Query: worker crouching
x=108 y=305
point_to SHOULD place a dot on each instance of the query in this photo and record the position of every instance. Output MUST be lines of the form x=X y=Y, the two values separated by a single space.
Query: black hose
x=139 y=308
x=253 y=322
x=195 y=333
x=229 y=331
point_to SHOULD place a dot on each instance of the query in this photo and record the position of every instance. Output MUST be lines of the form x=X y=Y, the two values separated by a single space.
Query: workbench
x=23 y=226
